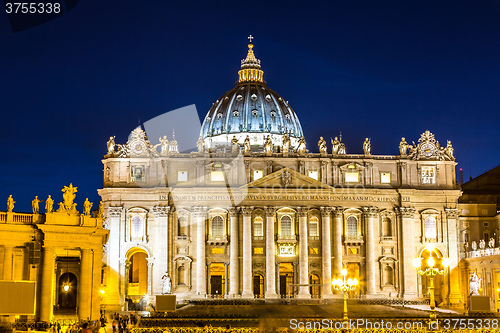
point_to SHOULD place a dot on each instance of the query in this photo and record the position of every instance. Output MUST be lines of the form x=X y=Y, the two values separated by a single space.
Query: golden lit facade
x=61 y=250
x=255 y=215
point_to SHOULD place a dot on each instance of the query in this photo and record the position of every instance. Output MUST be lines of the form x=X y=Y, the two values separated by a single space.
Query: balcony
x=217 y=240
x=481 y=253
x=287 y=239
x=353 y=240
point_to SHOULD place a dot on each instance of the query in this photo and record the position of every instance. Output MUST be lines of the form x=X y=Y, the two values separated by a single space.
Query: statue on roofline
x=286 y=143
x=268 y=145
x=235 y=146
x=10 y=203
x=335 y=145
x=35 y=205
x=246 y=144
x=403 y=147
x=367 y=146
x=301 y=149
x=49 y=203
x=111 y=145
x=68 y=197
x=322 y=146
x=201 y=145
x=163 y=145
x=87 y=205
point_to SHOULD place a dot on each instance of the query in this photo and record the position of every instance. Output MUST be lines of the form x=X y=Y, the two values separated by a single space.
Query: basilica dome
x=252 y=109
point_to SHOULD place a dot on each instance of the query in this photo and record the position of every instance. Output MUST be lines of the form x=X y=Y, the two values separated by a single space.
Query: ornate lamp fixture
x=431 y=267
x=344 y=286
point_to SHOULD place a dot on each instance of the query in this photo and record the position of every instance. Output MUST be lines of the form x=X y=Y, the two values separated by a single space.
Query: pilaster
x=408 y=272
x=270 y=254
x=47 y=285
x=233 y=253
x=370 y=214
x=326 y=251
x=304 y=253
x=199 y=214
x=247 y=252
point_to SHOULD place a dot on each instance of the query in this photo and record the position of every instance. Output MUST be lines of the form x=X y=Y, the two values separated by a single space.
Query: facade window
x=217 y=176
x=257 y=174
x=352 y=177
x=136 y=228
x=313 y=174
x=286 y=226
x=352 y=226
x=217 y=226
x=314 y=227
x=386 y=227
x=466 y=237
x=182 y=226
x=428 y=175
x=486 y=236
x=182 y=176
x=430 y=227
x=258 y=227
x=385 y=177
x=137 y=173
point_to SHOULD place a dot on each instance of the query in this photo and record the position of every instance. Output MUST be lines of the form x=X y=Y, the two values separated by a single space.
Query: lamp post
x=434 y=265
x=344 y=286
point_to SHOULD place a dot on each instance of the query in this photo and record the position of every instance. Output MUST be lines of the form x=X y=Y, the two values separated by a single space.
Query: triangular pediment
x=287 y=178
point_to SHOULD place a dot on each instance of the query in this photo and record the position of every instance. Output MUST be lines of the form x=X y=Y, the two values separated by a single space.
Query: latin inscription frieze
x=266 y=197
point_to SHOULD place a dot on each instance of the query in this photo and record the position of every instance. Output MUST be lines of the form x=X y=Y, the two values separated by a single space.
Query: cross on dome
x=250 y=38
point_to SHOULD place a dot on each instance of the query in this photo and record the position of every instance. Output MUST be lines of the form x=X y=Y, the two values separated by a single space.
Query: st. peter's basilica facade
x=253 y=214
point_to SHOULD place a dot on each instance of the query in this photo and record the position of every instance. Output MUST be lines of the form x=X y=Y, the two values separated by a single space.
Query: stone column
x=270 y=254
x=225 y=280
x=209 y=290
x=277 y=277
x=370 y=258
x=114 y=287
x=247 y=252
x=233 y=253
x=85 y=286
x=453 y=251
x=47 y=285
x=150 y=275
x=408 y=272
x=303 y=253
x=199 y=214
x=326 y=252
x=123 y=281
x=337 y=241
x=96 y=285
x=7 y=262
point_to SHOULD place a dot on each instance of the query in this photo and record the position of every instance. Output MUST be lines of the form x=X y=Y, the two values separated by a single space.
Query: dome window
x=239 y=98
x=268 y=98
x=236 y=113
x=273 y=114
x=253 y=97
x=208 y=118
x=255 y=112
x=287 y=117
x=219 y=115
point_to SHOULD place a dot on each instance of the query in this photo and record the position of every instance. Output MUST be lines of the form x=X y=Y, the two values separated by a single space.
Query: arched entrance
x=258 y=285
x=217 y=279
x=137 y=272
x=314 y=290
x=286 y=279
x=439 y=280
x=68 y=288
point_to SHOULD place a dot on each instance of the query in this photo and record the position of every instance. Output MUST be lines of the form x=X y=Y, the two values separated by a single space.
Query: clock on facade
x=427 y=149
x=138 y=147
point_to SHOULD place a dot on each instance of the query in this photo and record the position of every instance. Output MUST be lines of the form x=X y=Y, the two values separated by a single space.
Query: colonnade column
x=199 y=214
x=247 y=252
x=233 y=253
x=303 y=253
x=408 y=273
x=47 y=284
x=453 y=251
x=96 y=285
x=337 y=240
x=150 y=275
x=370 y=214
x=7 y=262
x=270 y=254
x=326 y=251
x=85 y=287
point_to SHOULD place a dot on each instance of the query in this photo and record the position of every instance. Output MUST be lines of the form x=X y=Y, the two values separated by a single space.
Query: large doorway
x=258 y=286
x=217 y=279
x=314 y=290
x=67 y=288
x=438 y=279
x=353 y=273
x=286 y=280
x=138 y=273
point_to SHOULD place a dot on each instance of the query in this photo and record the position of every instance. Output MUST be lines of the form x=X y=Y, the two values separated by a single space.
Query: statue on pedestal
x=201 y=145
x=367 y=146
x=111 y=145
x=286 y=143
x=246 y=144
x=163 y=146
x=482 y=244
x=322 y=146
x=491 y=243
x=167 y=284
x=268 y=145
x=10 y=204
x=301 y=149
x=474 y=246
x=475 y=284
x=35 y=204
x=335 y=146
x=403 y=147
x=87 y=205
x=68 y=197
x=49 y=205
x=449 y=150
x=235 y=146
x=100 y=210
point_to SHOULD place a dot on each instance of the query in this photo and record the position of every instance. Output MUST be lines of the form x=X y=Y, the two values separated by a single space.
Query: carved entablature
x=430 y=149
x=302 y=211
x=406 y=212
x=161 y=211
x=326 y=211
x=247 y=211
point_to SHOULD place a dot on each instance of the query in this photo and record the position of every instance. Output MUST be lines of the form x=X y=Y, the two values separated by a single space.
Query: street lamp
x=431 y=267
x=344 y=286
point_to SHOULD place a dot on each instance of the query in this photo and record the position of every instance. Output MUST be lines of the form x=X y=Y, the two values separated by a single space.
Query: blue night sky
x=377 y=69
